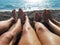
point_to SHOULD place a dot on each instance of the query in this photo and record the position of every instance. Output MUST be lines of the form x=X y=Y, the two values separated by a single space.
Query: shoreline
x=28 y=10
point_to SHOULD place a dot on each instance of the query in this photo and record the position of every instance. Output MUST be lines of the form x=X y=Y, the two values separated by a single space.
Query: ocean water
x=29 y=4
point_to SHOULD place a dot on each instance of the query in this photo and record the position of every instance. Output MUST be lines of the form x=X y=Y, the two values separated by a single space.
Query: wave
x=8 y=6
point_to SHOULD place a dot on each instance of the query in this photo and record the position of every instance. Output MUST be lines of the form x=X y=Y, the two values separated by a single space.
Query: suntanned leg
x=45 y=36
x=15 y=16
x=12 y=42
x=55 y=28
x=56 y=22
x=29 y=36
x=6 y=38
x=5 y=25
x=9 y=35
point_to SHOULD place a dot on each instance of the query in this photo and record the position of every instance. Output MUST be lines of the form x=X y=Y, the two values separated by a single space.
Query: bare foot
x=45 y=18
x=21 y=15
x=20 y=12
x=14 y=15
x=37 y=17
x=48 y=14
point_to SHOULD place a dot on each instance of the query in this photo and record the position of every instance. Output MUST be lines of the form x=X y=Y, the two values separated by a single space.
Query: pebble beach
x=7 y=14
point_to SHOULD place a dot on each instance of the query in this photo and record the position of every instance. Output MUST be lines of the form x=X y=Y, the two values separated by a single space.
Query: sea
x=29 y=5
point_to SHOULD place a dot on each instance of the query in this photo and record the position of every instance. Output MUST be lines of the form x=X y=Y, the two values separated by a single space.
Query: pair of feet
x=45 y=16
x=20 y=15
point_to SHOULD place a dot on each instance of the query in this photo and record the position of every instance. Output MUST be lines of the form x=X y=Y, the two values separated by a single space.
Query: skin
x=55 y=28
x=48 y=15
x=12 y=42
x=6 y=38
x=15 y=20
x=37 y=16
x=5 y=25
x=56 y=22
x=14 y=15
x=47 y=19
x=20 y=12
x=21 y=15
x=45 y=36
x=29 y=36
